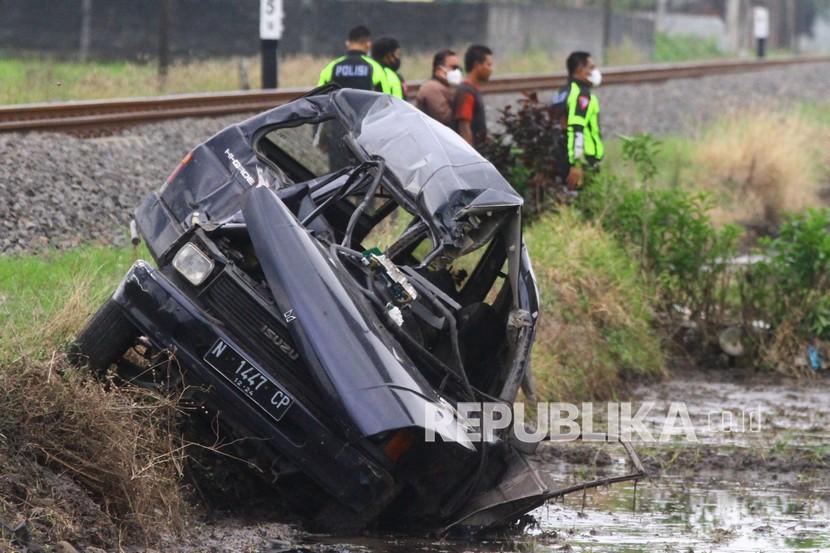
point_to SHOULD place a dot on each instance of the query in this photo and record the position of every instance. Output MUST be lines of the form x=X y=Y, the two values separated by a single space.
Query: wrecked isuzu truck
x=331 y=274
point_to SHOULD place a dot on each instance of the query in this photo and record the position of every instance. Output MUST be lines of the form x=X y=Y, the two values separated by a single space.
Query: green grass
x=34 y=288
x=674 y=48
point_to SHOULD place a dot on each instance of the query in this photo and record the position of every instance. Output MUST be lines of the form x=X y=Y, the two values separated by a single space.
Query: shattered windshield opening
x=308 y=150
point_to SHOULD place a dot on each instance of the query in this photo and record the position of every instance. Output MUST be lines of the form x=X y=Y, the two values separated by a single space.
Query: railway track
x=89 y=117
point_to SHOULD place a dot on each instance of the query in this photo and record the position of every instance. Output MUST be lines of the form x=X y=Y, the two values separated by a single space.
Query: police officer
x=356 y=69
x=583 y=135
x=387 y=52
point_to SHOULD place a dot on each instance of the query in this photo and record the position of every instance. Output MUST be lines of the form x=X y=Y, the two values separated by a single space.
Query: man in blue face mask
x=583 y=136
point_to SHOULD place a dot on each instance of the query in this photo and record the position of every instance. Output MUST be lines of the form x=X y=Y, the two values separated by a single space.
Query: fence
x=205 y=28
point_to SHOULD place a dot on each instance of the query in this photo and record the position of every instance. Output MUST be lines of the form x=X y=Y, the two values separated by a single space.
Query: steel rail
x=90 y=116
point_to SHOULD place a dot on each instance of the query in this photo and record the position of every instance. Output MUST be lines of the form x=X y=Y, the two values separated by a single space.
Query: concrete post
x=86 y=30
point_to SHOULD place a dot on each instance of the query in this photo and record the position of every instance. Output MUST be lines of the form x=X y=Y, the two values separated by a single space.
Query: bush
x=781 y=301
x=789 y=290
x=529 y=151
x=685 y=259
x=669 y=231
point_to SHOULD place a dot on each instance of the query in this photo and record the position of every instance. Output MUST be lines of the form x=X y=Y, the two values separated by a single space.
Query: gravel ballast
x=59 y=191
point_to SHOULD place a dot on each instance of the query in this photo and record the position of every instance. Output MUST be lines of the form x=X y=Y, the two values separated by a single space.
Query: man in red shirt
x=470 y=119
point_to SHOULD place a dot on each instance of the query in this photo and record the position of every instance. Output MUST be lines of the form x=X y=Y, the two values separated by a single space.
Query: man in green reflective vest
x=387 y=52
x=583 y=135
x=356 y=69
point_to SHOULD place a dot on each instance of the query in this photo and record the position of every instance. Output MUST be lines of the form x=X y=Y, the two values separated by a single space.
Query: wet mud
x=760 y=487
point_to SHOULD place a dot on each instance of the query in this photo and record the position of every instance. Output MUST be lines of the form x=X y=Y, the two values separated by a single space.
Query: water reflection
x=717 y=513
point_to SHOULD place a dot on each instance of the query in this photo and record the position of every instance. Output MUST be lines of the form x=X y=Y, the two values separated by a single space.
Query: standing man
x=435 y=96
x=583 y=135
x=356 y=69
x=468 y=112
x=387 y=52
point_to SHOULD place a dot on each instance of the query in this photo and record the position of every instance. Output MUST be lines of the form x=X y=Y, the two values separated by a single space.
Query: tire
x=104 y=339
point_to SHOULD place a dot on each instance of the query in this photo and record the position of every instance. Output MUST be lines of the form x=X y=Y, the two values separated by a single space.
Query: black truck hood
x=375 y=384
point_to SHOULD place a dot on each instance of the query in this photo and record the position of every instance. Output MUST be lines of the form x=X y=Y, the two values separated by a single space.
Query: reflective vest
x=584 y=135
x=355 y=70
x=394 y=81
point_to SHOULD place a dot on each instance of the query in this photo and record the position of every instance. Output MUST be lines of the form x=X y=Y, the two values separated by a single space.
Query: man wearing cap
x=356 y=69
x=582 y=133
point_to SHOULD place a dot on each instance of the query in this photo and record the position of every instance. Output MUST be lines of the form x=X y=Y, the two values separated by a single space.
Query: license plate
x=249 y=378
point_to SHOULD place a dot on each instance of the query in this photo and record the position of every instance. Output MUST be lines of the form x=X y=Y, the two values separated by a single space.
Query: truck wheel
x=104 y=339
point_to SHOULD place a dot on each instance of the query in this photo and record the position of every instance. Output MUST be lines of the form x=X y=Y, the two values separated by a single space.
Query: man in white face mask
x=583 y=136
x=435 y=96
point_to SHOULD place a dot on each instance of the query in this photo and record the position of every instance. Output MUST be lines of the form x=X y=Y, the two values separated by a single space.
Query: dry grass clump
x=761 y=164
x=595 y=330
x=80 y=462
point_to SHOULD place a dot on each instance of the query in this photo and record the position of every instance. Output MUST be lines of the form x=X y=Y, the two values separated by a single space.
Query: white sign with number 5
x=270 y=19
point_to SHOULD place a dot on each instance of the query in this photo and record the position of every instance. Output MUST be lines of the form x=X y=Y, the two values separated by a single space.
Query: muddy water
x=707 y=512
x=714 y=512
x=761 y=487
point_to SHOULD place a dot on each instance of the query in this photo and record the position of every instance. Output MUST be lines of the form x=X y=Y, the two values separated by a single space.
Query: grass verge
x=756 y=165
x=78 y=462
x=676 y=48
x=761 y=165
x=33 y=290
x=596 y=322
x=45 y=80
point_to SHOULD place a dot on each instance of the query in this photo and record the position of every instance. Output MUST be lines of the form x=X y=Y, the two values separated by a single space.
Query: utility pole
x=792 y=25
x=164 y=41
x=270 y=32
x=86 y=30
x=733 y=25
x=660 y=8
x=606 y=30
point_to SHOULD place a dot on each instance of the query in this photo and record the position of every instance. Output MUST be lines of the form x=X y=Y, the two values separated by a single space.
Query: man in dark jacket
x=469 y=115
x=435 y=96
x=356 y=69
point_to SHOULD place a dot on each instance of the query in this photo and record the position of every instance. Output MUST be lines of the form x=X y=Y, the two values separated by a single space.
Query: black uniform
x=355 y=70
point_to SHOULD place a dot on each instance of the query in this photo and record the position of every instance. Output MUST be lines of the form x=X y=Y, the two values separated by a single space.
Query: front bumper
x=173 y=321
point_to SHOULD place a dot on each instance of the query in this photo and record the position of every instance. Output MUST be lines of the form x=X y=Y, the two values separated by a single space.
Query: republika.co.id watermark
x=564 y=422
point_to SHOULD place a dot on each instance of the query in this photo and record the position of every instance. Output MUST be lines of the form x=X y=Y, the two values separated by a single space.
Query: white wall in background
x=820 y=41
x=703 y=26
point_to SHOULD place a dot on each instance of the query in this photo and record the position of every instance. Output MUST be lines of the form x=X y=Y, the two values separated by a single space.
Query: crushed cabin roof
x=439 y=173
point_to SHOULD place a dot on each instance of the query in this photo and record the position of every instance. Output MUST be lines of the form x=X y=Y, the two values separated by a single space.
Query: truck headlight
x=194 y=265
